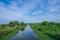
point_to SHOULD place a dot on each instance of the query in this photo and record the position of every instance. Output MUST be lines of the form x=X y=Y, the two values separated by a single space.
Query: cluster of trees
x=11 y=24
x=50 y=23
x=14 y=23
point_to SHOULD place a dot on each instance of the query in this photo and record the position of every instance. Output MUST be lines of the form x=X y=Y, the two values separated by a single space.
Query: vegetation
x=14 y=23
x=8 y=30
x=47 y=30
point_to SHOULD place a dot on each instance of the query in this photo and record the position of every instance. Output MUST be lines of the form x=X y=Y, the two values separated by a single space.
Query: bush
x=3 y=25
x=14 y=23
x=44 y=23
x=22 y=23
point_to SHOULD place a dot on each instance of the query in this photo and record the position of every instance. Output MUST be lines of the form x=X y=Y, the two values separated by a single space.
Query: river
x=26 y=34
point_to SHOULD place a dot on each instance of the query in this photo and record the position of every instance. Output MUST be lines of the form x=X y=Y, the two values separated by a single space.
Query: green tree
x=58 y=24
x=22 y=23
x=44 y=23
x=3 y=25
x=11 y=24
x=52 y=23
x=14 y=23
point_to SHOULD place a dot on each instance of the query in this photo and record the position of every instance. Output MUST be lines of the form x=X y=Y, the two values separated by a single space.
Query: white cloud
x=37 y=12
x=53 y=9
x=13 y=12
x=53 y=17
x=52 y=2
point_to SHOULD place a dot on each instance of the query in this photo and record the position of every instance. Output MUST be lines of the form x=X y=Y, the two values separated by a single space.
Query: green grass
x=9 y=35
x=41 y=35
x=13 y=32
x=46 y=32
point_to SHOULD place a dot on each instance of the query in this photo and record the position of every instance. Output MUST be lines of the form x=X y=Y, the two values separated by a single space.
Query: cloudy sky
x=30 y=11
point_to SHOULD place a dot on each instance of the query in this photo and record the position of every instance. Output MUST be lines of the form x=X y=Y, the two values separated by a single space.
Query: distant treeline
x=11 y=24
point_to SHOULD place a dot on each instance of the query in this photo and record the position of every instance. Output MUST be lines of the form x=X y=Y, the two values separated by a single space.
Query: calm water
x=26 y=34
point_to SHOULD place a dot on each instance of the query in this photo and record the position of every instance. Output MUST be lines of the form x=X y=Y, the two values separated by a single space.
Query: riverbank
x=41 y=35
x=47 y=31
x=11 y=32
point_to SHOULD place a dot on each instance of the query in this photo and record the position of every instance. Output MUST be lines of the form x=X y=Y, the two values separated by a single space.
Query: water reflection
x=26 y=34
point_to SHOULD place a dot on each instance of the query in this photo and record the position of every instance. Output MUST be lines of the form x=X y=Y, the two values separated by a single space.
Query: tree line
x=11 y=24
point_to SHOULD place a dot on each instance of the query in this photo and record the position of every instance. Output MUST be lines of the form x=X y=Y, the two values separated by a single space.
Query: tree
x=3 y=25
x=11 y=24
x=22 y=23
x=44 y=23
x=14 y=23
x=52 y=23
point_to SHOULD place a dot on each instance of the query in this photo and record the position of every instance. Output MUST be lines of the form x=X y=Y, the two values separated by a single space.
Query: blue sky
x=30 y=11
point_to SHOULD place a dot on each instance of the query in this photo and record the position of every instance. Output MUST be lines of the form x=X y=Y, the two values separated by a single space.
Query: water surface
x=26 y=34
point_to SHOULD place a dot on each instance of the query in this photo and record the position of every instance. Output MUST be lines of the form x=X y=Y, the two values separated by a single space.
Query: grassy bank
x=41 y=35
x=47 y=31
x=11 y=32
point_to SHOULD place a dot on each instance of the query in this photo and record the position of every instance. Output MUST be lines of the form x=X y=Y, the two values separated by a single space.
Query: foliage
x=3 y=25
x=14 y=23
x=44 y=23
x=5 y=34
x=49 y=29
x=22 y=23
x=45 y=30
